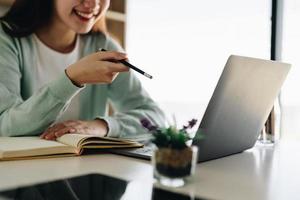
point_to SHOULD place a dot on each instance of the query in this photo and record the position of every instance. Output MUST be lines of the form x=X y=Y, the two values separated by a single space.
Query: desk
x=258 y=173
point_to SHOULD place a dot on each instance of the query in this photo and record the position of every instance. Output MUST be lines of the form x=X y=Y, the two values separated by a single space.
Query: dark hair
x=26 y=16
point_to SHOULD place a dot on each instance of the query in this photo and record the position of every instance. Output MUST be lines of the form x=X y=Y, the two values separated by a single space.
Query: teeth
x=85 y=15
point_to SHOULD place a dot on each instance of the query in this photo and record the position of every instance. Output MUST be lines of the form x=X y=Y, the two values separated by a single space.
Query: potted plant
x=173 y=159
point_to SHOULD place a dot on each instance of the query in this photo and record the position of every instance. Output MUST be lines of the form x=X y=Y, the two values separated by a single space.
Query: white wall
x=290 y=95
x=185 y=44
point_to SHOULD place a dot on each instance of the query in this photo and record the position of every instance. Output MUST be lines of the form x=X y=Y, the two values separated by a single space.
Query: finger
x=50 y=132
x=116 y=67
x=47 y=131
x=50 y=136
x=43 y=135
x=64 y=131
x=61 y=127
x=56 y=128
x=111 y=55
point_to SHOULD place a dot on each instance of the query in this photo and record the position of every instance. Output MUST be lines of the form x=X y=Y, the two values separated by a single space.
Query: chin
x=80 y=27
x=83 y=30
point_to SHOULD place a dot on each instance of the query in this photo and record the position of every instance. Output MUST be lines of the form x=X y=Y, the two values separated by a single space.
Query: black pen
x=124 y=62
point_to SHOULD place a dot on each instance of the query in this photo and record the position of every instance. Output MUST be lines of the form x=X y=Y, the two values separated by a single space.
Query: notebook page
x=31 y=146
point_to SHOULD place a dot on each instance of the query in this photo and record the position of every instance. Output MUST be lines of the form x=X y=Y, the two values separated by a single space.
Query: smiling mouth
x=86 y=15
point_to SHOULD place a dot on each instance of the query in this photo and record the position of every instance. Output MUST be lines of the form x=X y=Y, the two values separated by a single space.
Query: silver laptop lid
x=240 y=105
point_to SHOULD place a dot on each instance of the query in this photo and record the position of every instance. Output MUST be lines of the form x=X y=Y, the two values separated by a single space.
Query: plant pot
x=173 y=166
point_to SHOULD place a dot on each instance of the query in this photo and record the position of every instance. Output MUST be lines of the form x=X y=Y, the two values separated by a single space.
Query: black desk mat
x=92 y=186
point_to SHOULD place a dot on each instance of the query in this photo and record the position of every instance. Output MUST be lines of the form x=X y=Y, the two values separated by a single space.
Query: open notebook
x=14 y=148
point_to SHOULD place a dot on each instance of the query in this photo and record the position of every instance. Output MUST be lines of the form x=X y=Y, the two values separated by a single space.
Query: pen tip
x=148 y=75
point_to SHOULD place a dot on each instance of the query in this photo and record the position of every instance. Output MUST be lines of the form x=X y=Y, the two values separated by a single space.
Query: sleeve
x=132 y=103
x=32 y=116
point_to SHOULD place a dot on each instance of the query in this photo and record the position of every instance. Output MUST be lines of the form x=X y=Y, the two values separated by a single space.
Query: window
x=290 y=95
x=185 y=44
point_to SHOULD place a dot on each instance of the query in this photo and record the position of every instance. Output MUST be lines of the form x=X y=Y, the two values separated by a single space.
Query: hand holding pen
x=99 y=67
x=132 y=67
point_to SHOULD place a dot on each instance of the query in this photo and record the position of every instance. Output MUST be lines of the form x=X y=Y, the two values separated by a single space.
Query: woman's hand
x=98 y=67
x=95 y=127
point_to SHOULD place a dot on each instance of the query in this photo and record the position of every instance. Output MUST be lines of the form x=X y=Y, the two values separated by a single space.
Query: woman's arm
x=31 y=116
x=132 y=103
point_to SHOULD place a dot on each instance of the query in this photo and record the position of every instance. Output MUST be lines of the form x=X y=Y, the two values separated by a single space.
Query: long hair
x=26 y=16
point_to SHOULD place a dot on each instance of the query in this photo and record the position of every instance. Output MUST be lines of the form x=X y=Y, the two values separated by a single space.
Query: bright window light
x=185 y=44
x=290 y=95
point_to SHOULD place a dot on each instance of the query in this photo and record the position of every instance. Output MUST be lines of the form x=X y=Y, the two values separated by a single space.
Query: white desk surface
x=259 y=173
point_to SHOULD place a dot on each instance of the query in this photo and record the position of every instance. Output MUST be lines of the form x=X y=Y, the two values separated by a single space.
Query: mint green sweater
x=23 y=112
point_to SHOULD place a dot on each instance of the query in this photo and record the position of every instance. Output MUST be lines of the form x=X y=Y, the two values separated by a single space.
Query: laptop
x=237 y=110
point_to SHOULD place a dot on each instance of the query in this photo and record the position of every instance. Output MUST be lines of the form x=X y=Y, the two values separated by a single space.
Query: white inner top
x=49 y=64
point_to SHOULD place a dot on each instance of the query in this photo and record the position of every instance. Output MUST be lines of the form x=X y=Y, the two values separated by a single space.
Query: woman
x=45 y=88
x=6 y=4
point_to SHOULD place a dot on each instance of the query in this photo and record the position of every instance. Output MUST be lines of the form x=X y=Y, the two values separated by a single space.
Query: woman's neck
x=57 y=37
